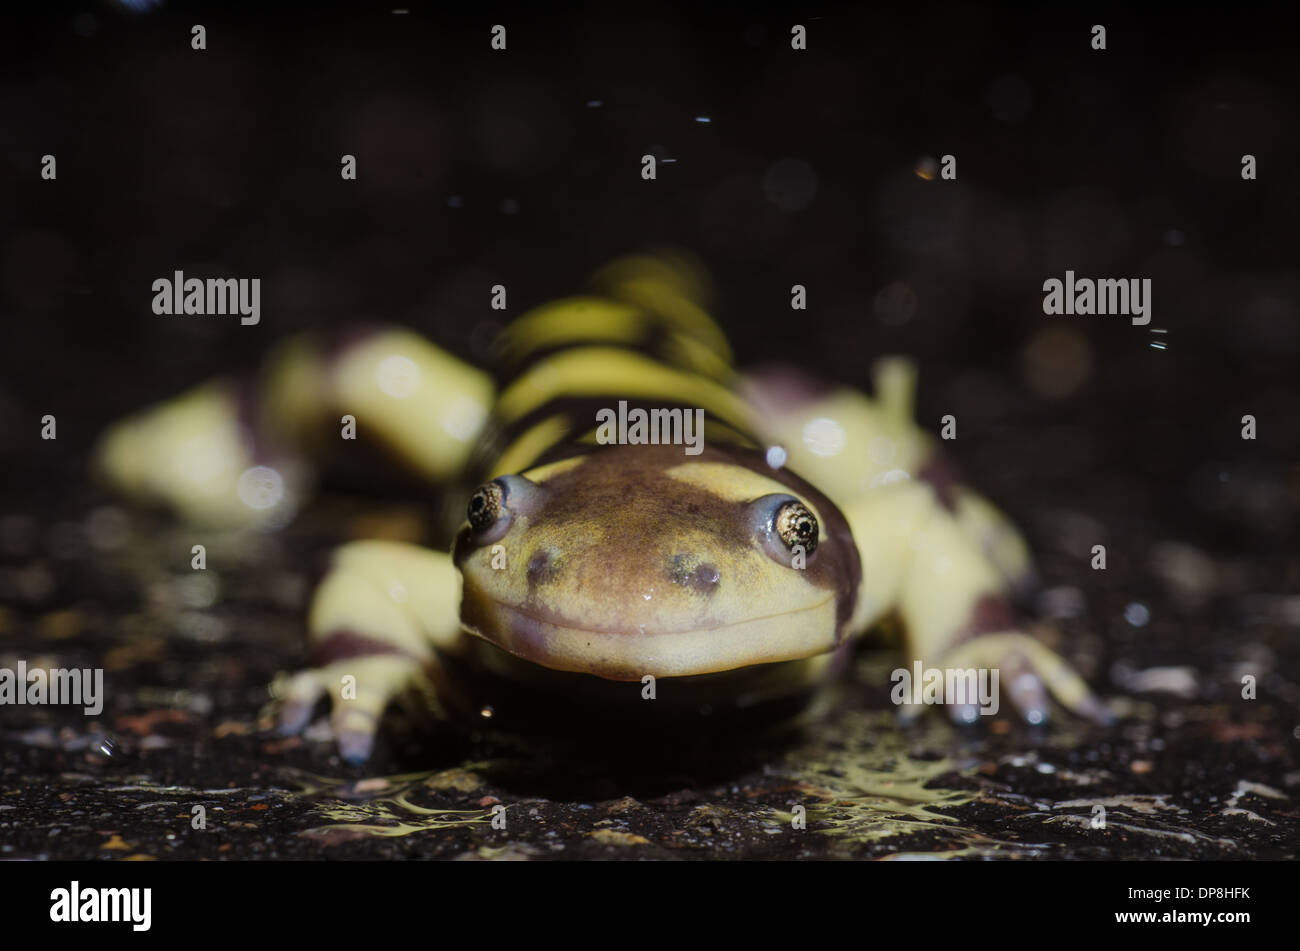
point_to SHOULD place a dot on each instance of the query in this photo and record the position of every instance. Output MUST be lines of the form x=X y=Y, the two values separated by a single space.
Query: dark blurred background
x=814 y=167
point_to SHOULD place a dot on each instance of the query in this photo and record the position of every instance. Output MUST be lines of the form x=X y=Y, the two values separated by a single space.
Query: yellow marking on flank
x=416 y=397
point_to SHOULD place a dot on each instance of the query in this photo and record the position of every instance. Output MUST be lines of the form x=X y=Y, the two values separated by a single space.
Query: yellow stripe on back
x=612 y=371
x=530 y=445
x=569 y=321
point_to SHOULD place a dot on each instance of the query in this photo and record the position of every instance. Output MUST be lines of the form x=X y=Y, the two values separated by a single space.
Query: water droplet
x=1137 y=614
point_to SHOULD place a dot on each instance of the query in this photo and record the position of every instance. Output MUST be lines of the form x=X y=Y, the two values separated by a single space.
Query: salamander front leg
x=996 y=538
x=375 y=622
x=920 y=560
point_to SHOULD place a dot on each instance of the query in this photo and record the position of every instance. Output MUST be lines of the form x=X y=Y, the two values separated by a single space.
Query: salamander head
x=640 y=560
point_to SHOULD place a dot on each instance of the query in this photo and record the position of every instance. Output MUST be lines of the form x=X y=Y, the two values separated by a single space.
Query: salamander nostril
x=541 y=568
x=689 y=571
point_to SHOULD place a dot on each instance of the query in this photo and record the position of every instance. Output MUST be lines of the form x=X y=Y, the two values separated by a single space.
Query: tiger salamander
x=645 y=514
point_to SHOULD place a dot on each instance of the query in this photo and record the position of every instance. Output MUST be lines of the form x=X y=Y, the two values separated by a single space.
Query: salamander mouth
x=560 y=644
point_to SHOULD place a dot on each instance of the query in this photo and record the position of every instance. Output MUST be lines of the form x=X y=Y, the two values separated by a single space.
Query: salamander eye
x=494 y=505
x=784 y=524
x=486 y=506
x=794 y=524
